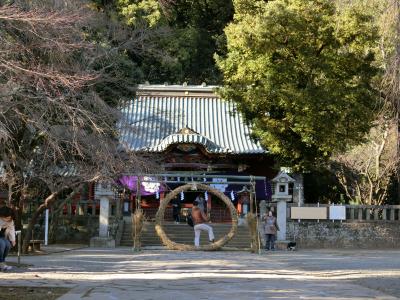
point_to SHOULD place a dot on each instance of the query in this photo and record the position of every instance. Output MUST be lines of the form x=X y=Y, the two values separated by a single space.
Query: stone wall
x=349 y=235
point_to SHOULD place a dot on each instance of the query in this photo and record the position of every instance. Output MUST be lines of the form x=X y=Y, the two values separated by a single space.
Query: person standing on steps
x=176 y=210
x=199 y=220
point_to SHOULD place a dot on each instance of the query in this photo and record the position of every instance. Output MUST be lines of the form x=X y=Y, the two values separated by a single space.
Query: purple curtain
x=263 y=187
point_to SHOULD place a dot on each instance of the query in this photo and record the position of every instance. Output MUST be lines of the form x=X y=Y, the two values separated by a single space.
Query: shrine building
x=190 y=131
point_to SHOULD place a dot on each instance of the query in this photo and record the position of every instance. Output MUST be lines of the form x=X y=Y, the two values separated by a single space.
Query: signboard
x=150 y=185
x=219 y=184
x=337 y=212
x=308 y=213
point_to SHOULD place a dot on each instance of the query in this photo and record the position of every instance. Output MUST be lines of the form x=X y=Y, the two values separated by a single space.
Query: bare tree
x=57 y=122
x=365 y=172
x=390 y=51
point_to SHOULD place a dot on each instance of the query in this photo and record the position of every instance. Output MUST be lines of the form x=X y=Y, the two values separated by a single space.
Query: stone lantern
x=281 y=187
x=281 y=196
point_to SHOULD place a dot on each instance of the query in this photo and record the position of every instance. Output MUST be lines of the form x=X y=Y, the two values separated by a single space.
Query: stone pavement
x=160 y=274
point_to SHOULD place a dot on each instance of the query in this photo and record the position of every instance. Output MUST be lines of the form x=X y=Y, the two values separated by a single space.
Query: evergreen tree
x=301 y=73
x=184 y=35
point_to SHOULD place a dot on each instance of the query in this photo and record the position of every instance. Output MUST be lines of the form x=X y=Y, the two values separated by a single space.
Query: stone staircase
x=183 y=233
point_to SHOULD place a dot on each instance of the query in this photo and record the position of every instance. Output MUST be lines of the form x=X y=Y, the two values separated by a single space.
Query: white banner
x=220 y=184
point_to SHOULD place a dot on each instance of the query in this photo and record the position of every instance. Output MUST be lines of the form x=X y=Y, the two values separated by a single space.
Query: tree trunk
x=396 y=92
x=47 y=203
x=28 y=234
x=16 y=205
x=18 y=217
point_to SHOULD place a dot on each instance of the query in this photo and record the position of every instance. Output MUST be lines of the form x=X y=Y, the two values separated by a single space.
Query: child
x=7 y=235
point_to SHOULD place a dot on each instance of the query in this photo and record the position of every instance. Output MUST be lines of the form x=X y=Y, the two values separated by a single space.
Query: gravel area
x=160 y=274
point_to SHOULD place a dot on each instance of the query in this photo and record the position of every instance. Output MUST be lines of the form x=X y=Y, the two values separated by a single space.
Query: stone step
x=144 y=238
x=185 y=236
x=185 y=241
x=182 y=233
x=182 y=227
x=187 y=230
x=171 y=233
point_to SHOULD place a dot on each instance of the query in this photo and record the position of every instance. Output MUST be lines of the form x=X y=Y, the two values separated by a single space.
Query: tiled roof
x=160 y=116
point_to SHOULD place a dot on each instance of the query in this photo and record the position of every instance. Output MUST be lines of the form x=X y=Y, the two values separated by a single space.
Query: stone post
x=104 y=193
x=298 y=191
x=103 y=218
x=281 y=219
x=263 y=211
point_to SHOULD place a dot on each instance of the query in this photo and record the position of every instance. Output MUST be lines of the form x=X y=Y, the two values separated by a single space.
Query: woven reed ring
x=178 y=246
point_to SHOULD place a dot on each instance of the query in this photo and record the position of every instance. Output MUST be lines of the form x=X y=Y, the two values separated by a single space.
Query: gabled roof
x=283 y=177
x=161 y=116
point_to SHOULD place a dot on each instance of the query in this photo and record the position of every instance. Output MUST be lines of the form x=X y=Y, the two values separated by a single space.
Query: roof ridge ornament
x=187 y=130
x=190 y=138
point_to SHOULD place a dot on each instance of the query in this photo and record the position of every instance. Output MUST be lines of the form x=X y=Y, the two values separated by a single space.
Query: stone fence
x=356 y=213
x=363 y=227
x=373 y=212
x=351 y=235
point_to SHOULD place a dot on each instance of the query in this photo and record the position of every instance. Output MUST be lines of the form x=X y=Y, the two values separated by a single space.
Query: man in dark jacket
x=176 y=210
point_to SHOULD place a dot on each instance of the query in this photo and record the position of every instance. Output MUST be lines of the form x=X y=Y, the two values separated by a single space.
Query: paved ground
x=160 y=274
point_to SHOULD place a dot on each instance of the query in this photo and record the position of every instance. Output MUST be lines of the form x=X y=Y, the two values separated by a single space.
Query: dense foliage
x=302 y=75
x=183 y=37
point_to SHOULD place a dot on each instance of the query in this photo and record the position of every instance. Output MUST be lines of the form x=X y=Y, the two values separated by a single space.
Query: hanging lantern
x=206 y=195
x=182 y=196
x=232 y=196
x=157 y=194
